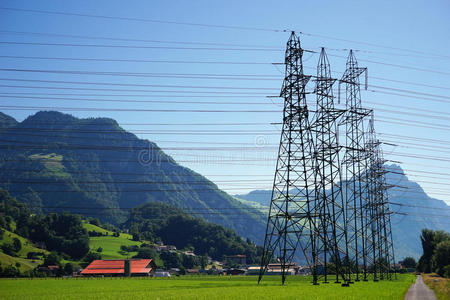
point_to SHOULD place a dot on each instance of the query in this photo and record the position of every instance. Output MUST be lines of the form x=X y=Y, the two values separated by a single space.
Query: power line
x=197 y=62
x=137 y=47
x=215 y=26
x=129 y=40
x=143 y=20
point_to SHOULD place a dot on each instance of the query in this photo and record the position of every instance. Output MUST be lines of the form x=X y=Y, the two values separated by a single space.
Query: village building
x=275 y=269
x=120 y=267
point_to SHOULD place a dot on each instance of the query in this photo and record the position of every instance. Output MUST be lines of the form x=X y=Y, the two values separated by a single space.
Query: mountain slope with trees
x=158 y=221
x=55 y=162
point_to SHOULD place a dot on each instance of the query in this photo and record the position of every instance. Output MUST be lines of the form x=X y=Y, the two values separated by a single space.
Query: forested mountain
x=158 y=221
x=407 y=197
x=56 y=162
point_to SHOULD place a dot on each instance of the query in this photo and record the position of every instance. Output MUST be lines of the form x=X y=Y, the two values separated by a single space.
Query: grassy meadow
x=21 y=261
x=199 y=287
x=110 y=245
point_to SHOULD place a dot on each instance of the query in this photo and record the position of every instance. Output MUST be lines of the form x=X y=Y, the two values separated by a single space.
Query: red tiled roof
x=117 y=266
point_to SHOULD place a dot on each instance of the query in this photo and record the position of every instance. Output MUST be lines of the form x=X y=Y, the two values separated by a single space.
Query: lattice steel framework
x=331 y=239
x=335 y=212
x=292 y=220
x=355 y=166
x=383 y=250
x=375 y=194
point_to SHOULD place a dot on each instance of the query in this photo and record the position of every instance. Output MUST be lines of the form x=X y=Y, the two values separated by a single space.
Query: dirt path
x=419 y=291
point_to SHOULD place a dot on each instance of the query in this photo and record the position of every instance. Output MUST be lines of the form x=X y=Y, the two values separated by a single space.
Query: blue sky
x=413 y=35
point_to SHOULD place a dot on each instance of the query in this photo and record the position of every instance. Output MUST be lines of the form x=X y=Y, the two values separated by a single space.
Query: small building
x=162 y=274
x=118 y=267
x=189 y=253
x=274 y=269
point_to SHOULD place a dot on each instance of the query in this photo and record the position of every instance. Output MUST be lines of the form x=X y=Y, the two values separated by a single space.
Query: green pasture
x=199 y=287
x=27 y=246
x=110 y=244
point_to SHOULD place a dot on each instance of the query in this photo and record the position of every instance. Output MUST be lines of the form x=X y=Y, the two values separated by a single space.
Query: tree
x=52 y=259
x=68 y=269
x=9 y=249
x=17 y=244
x=170 y=259
x=408 y=262
x=94 y=221
x=441 y=257
x=188 y=261
x=426 y=239
x=430 y=239
x=91 y=256
x=146 y=252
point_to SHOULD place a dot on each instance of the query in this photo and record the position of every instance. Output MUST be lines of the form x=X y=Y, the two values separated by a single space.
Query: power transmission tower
x=292 y=216
x=331 y=235
x=383 y=243
x=354 y=164
x=374 y=193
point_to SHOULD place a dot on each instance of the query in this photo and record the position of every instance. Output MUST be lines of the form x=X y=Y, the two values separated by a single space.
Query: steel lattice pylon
x=355 y=166
x=292 y=216
x=335 y=212
x=332 y=235
x=384 y=247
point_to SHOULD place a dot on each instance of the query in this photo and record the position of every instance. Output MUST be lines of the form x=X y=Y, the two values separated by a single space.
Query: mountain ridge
x=54 y=162
x=407 y=197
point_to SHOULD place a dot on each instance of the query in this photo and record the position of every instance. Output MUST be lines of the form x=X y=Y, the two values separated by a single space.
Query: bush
x=9 y=249
x=68 y=269
x=409 y=262
x=94 y=221
x=441 y=257
x=146 y=252
x=132 y=248
x=52 y=259
x=91 y=256
x=446 y=271
x=17 y=244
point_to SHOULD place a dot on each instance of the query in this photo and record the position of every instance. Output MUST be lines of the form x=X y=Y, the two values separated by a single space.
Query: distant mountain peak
x=7 y=121
x=46 y=117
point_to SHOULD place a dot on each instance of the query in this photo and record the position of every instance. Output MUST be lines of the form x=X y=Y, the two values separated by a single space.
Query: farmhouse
x=120 y=267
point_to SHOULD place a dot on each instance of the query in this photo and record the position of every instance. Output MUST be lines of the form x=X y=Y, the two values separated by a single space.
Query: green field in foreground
x=199 y=287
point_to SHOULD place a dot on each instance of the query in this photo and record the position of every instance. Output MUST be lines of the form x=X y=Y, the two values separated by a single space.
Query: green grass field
x=199 y=287
x=110 y=244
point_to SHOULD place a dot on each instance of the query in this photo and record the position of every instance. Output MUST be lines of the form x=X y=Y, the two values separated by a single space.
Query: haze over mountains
x=412 y=210
x=56 y=162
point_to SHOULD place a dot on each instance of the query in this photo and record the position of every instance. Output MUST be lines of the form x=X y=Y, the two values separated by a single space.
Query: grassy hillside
x=21 y=262
x=110 y=245
x=27 y=246
x=25 y=264
x=201 y=287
